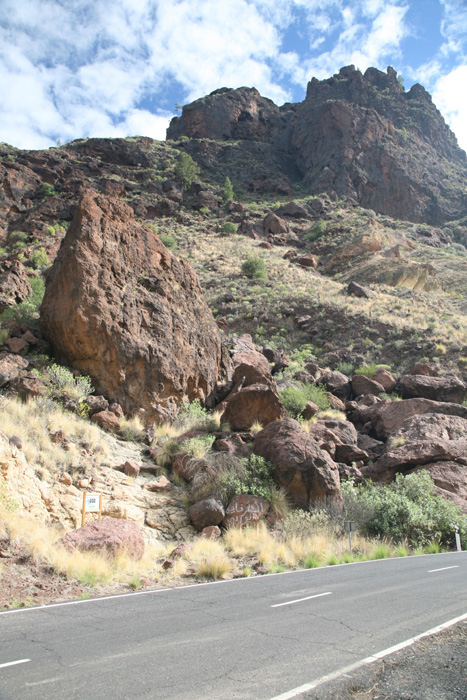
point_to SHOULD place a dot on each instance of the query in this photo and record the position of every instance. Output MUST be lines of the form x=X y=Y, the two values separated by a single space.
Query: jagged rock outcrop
x=350 y=135
x=125 y=311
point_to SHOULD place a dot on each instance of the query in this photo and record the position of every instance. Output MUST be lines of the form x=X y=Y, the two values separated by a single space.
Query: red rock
x=244 y=509
x=206 y=512
x=65 y=478
x=233 y=445
x=125 y=311
x=307 y=472
x=256 y=403
x=424 y=369
x=294 y=210
x=97 y=404
x=310 y=410
x=362 y=385
x=211 y=533
x=17 y=345
x=10 y=367
x=359 y=290
x=107 y=420
x=108 y=536
x=180 y=550
x=385 y=378
x=337 y=383
x=446 y=388
x=307 y=261
x=250 y=366
x=27 y=386
x=336 y=403
x=131 y=468
x=117 y=409
x=14 y=284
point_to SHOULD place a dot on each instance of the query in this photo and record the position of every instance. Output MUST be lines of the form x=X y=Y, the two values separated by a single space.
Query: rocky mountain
x=319 y=308
x=357 y=135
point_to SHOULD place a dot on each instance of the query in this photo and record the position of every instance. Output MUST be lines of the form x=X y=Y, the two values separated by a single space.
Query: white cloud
x=450 y=97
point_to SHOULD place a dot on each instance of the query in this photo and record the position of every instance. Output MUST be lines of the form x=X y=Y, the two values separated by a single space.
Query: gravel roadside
x=434 y=668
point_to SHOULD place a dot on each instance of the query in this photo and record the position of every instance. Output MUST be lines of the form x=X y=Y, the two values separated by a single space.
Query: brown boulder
x=310 y=410
x=274 y=224
x=385 y=378
x=294 y=210
x=307 y=261
x=212 y=532
x=244 y=509
x=108 y=536
x=206 y=512
x=307 y=472
x=446 y=388
x=426 y=370
x=14 y=284
x=450 y=479
x=256 y=403
x=337 y=383
x=106 y=420
x=388 y=416
x=121 y=308
x=250 y=366
x=362 y=385
x=10 y=367
x=358 y=290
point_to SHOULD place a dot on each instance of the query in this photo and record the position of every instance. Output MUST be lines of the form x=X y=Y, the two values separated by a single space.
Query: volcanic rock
x=300 y=466
x=244 y=509
x=107 y=536
x=365 y=385
x=206 y=512
x=337 y=383
x=14 y=284
x=445 y=388
x=121 y=308
x=255 y=403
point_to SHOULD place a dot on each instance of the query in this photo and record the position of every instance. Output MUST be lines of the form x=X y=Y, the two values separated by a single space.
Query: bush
x=255 y=268
x=296 y=397
x=168 y=240
x=318 y=230
x=227 y=191
x=369 y=369
x=46 y=190
x=186 y=169
x=408 y=509
x=228 y=228
x=39 y=258
x=63 y=386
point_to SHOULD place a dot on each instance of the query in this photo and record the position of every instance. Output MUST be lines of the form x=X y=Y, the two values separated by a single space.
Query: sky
x=79 y=68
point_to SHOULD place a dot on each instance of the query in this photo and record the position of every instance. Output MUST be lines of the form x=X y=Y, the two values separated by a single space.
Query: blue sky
x=76 y=68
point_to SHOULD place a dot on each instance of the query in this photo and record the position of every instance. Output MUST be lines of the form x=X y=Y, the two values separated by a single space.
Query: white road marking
x=369 y=660
x=300 y=600
x=445 y=568
x=15 y=663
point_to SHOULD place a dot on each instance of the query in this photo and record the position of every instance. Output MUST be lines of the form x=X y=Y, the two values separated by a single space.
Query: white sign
x=92 y=502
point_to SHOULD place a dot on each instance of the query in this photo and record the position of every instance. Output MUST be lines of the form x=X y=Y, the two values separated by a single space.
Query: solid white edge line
x=445 y=568
x=300 y=600
x=217 y=583
x=15 y=663
x=369 y=660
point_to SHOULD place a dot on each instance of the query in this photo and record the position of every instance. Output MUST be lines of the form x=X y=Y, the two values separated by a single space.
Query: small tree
x=227 y=191
x=186 y=169
x=255 y=268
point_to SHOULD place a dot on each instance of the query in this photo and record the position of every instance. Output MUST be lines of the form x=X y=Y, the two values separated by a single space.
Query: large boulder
x=300 y=466
x=362 y=385
x=337 y=383
x=385 y=418
x=446 y=388
x=125 y=311
x=108 y=536
x=244 y=509
x=255 y=403
x=250 y=366
x=14 y=284
x=206 y=512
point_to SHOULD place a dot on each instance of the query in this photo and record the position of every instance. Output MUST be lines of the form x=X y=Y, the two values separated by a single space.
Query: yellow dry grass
x=210 y=559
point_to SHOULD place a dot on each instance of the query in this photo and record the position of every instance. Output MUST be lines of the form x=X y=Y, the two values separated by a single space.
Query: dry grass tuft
x=210 y=559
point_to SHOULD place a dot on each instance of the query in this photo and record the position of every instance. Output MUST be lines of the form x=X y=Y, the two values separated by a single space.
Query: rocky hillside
x=358 y=136
x=312 y=318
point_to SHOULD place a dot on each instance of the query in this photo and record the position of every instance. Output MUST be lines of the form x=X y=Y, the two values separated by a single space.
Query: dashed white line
x=369 y=660
x=300 y=600
x=445 y=568
x=15 y=663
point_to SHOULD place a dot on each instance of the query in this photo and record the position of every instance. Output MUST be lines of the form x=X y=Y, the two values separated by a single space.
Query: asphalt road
x=252 y=638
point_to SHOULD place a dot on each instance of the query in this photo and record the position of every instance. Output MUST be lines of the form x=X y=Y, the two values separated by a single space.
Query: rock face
x=444 y=388
x=244 y=509
x=14 y=284
x=123 y=310
x=350 y=136
x=307 y=472
x=108 y=536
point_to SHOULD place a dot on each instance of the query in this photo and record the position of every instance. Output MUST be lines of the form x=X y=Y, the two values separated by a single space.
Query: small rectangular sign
x=350 y=526
x=92 y=502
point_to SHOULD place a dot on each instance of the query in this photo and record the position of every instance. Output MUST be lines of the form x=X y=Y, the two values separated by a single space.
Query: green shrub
x=318 y=230
x=46 y=190
x=50 y=230
x=369 y=369
x=227 y=191
x=409 y=510
x=345 y=368
x=168 y=240
x=39 y=258
x=255 y=268
x=228 y=228
x=296 y=397
x=18 y=237
x=62 y=385
x=255 y=478
x=186 y=169
x=7 y=502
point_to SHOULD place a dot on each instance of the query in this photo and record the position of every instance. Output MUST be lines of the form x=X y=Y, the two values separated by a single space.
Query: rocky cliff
x=358 y=135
